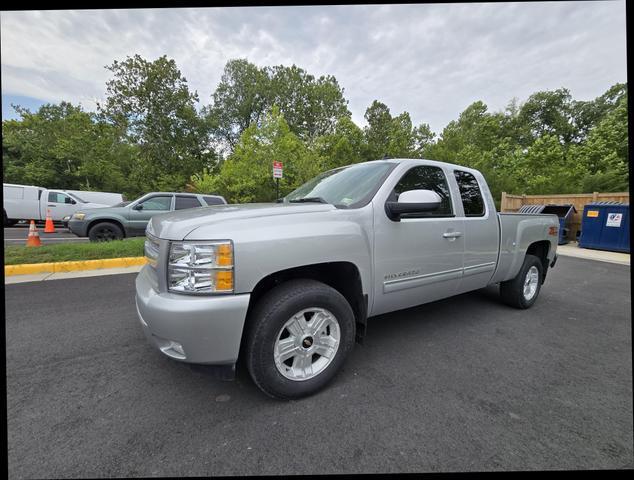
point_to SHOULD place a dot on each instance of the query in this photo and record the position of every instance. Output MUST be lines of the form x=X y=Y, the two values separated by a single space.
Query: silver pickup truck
x=288 y=287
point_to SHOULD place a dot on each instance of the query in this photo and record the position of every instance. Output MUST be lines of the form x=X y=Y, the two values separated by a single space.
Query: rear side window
x=426 y=177
x=472 y=200
x=55 y=197
x=183 y=203
x=213 y=200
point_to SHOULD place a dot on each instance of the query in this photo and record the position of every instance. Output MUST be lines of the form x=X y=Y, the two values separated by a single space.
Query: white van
x=28 y=202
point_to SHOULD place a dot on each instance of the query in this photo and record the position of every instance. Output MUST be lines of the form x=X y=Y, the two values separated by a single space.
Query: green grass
x=15 y=255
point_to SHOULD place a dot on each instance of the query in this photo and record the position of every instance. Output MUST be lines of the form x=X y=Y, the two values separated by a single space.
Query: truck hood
x=100 y=209
x=177 y=225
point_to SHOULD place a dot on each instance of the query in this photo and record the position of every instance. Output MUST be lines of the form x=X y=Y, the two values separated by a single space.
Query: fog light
x=172 y=349
x=178 y=348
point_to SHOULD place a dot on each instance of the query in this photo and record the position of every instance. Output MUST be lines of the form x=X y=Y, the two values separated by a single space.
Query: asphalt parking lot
x=464 y=384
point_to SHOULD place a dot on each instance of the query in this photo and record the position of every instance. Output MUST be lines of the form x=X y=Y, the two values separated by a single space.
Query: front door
x=140 y=216
x=59 y=205
x=418 y=259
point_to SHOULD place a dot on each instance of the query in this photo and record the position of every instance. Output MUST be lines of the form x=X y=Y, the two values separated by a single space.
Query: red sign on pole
x=277 y=169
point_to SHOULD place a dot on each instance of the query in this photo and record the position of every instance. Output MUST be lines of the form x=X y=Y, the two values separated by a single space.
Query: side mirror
x=73 y=202
x=138 y=206
x=413 y=201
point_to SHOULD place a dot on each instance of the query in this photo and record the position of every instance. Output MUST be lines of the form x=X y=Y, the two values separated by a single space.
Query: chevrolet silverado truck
x=288 y=287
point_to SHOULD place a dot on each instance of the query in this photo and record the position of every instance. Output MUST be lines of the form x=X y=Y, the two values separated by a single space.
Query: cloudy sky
x=430 y=60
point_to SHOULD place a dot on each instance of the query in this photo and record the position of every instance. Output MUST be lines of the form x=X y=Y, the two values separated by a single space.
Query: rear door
x=480 y=232
x=419 y=258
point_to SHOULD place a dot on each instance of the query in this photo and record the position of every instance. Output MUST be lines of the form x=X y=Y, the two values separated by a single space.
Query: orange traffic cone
x=49 y=227
x=33 y=240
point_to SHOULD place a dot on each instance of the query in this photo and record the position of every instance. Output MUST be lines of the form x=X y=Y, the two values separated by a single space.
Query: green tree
x=151 y=103
x=342 y=147
x=605 y=154
x=246 y=175
x=310 y=105
x=62 y=146
x=240 y=99
x=546 y=168
x=588 y=115
x=548 y=113
x=393 y=137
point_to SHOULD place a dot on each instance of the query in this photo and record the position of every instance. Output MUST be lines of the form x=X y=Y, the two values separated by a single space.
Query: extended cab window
x=186 y=202
x=426 y=177
x=157 y=203
x=55 y=197
x=472 y=200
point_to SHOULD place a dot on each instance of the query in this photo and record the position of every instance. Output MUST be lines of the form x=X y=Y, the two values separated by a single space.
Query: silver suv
x=129 y=219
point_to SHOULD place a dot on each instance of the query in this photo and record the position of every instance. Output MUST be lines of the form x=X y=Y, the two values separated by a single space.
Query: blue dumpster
x=606 y=226
x=564 y=212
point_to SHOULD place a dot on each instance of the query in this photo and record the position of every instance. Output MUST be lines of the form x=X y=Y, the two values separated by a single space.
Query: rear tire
x=523 y=290
x=291 y=327
x=105 y=232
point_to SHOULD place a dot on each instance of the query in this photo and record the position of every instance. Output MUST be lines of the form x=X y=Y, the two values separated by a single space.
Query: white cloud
x=432 y=60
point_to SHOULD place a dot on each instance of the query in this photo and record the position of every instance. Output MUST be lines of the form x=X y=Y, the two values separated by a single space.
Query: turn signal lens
x=224 y=280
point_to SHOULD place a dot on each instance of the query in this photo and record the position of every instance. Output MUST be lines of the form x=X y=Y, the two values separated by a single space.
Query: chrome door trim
x=481 y=268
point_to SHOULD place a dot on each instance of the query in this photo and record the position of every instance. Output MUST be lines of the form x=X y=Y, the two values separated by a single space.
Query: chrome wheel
x=307 y=344
x=531 y=282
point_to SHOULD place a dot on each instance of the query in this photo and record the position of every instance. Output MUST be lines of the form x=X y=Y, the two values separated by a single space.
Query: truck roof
x=426 y=162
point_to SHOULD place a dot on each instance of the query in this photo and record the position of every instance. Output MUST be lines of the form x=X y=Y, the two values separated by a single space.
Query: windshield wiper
x=308 y=199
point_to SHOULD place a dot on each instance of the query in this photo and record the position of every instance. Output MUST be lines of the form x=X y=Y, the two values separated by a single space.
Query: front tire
x=302 y=331
x=105 y=232
x=522 y=291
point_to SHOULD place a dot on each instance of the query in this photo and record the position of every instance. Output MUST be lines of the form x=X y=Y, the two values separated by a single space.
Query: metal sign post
x=277 y=174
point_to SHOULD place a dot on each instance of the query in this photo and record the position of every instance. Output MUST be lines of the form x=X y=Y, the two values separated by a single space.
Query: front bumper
x=78 y=227
x=207 y=328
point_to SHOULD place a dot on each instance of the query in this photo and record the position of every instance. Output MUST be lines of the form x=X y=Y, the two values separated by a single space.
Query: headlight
x=200 y=267
x=78 y=215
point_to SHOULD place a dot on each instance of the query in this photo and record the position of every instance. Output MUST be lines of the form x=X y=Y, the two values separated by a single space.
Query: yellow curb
x=54 y=267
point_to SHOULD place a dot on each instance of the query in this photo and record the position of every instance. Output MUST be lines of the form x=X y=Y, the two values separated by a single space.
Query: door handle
x=452 y=234
x=51 y=205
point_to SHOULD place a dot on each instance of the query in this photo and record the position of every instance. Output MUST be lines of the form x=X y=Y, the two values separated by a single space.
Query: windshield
x=343 y=187
x=122 y=204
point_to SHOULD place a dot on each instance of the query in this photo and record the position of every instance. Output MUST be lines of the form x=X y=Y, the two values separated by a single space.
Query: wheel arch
x=540 y=249
x=342 y=276
x=94 y=222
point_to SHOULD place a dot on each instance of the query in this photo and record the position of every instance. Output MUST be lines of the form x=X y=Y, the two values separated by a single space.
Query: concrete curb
x=56 y=267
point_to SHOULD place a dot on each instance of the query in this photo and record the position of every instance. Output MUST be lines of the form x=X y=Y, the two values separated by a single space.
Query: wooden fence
x=512 y=203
